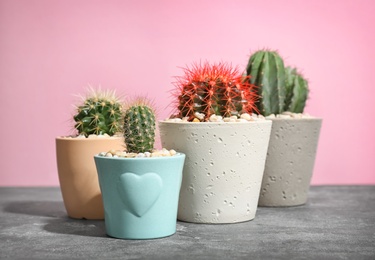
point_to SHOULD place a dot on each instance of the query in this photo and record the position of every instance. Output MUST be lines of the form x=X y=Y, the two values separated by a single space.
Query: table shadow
x=37 y=208
x=57 y=220
x=78 y=227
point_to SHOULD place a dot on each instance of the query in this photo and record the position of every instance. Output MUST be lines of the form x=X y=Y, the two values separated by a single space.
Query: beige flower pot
x=223 y=168
x=290 y=161
x=77 y=174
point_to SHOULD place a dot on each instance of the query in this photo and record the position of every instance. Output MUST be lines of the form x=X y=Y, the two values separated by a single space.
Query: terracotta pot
x=223 y=168
x=290 y=161
x=78 y=177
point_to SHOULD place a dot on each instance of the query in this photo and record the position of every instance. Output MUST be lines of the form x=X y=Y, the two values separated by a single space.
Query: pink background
x=51 y=50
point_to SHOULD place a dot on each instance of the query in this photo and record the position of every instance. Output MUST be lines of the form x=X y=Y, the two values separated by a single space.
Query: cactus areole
x=139 y=127
x=213 y=89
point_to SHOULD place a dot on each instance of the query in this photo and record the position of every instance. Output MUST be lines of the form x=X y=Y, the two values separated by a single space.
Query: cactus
x=290 y=74
x=267 y=72
x=280 y=88
x=297 y=91
x=213 y=89
x=139 y=126
x=100 y=113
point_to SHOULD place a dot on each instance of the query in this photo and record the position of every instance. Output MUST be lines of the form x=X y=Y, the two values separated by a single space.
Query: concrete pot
x=223 y=168
x=290 y=161
x=140 y=195
x=77 y=174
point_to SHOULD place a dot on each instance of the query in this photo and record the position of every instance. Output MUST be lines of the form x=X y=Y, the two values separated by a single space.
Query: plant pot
x=290 y=161
x=140 y=195
x=223 y=168
x=77 y=174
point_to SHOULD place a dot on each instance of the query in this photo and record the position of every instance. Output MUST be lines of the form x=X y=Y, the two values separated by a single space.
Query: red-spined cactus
x=216 y=89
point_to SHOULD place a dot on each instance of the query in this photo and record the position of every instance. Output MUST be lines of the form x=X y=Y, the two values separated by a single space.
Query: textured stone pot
x=140 y=195
x=77 y=174
x=290 y=161
x=223 y=168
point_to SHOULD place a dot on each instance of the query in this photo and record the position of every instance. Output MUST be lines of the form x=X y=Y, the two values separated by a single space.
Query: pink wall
x=50 y=50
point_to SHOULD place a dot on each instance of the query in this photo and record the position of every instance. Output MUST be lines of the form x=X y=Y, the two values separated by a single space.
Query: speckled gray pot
x=290 y=161
x=223 y=168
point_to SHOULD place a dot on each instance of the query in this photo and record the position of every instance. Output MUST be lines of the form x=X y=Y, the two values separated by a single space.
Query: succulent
x=100 y=113
x=139 y=126
x=297 y=91
x=279 y=88
x=267 y=72
x=213 y=89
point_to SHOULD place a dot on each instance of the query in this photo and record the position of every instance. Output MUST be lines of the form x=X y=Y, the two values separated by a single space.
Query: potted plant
x=97 y=120
x=225 y=144
x=140 y=186
x=294 y=137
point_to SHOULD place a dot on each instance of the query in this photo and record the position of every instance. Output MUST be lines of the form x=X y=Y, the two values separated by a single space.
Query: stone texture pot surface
x=290 y=161
x=77 y=174
x=140 y=195
x=223 y=168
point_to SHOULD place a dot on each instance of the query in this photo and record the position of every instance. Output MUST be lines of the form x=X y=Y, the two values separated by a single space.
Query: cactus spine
x=297 y=91
x=139 y=126
x=213 y=89
x=267 y=72
x=100 y=113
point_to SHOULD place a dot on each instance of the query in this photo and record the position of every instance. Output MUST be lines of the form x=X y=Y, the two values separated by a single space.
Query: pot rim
x=265 y=121
x=297 y=119
x=178 y=155
x=70 y=138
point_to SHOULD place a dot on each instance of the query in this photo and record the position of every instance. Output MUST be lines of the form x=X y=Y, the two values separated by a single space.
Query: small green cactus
x=297 y=91
x=139 y=126
x=280 y=88
x=267 y=72
x=213 y=89
x=290 y=74
x=100 y=113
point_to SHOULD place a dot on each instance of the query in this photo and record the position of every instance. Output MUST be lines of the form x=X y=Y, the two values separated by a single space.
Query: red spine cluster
x=213 y=89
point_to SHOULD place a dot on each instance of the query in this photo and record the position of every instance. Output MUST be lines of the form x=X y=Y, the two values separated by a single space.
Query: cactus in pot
x=294 y=137
x=98 y=115
x=225 y=143
x=140 y=186
x=217 y=89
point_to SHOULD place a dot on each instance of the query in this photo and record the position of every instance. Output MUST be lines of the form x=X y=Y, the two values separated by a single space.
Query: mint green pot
x=140 y=195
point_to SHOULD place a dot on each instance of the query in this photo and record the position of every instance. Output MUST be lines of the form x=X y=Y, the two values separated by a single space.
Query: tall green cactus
x=297 y=91
x=216 y=89
x=100 y=113
x=280 y=88
x=139 y=126
x=267 y=71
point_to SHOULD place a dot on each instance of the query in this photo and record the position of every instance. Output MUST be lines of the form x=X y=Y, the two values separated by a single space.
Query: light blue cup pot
x=140 y=195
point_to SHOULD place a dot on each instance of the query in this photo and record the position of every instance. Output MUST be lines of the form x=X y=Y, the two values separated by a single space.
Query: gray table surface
x=338 y=222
